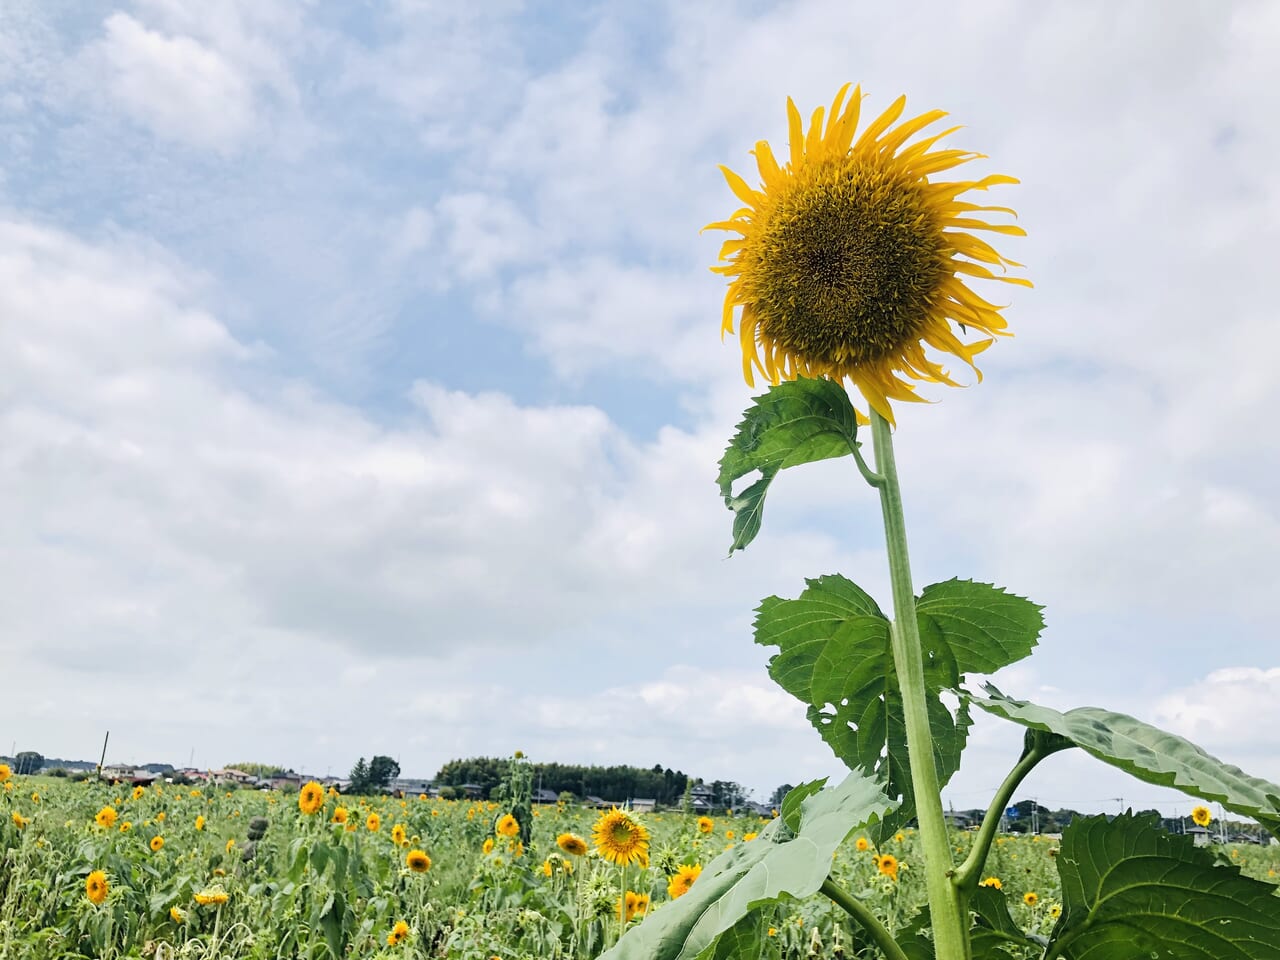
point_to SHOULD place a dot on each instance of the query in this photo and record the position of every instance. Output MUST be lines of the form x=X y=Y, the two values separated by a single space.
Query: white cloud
x=1234 y=712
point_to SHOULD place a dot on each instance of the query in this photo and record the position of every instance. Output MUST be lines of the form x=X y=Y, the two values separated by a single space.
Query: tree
x=27 y=761
x=776 y=799
x=373 y=777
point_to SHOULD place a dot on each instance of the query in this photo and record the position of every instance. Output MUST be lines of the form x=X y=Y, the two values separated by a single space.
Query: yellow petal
x=813 y=143
x=740 y=187
x=833 y=118
x=770 y=172
x=906 y=130
x=882 y=123
x=942 y=160
x=795 y=132
x=839 y=138
x=978 y=270
x=971 y=224
x=922 y=147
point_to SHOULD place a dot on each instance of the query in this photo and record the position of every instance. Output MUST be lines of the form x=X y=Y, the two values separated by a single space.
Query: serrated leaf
x=834 y=654
x=801 y=421
x=1148 y=753
x=1131 y=890
x=994 y=929
x=776 y=865
x=740 y=942
x=796 y=796
x=985 y=628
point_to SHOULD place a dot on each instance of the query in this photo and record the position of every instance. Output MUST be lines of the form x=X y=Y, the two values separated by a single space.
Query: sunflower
x=487 y=846
x=340 y=815
x=96 y=886
x=212 y=897
x=138 y=793
x=1201 y=816
x=682 y=880
x=621 y=839
x=373 y=823
x=888 y=865
x=230 y=845
x=628 y=907
x=572 y=843
x=862 y=844
x=507 y=825
x=398 y=835
x=106 y=817
x=176 y=915
x=5 y=772
x=748 y=837
x=156 y=843
x=310 y=798
x=1055 y=911
x=850 y=260
x=399 y=933
x=706 y=824
x=418 y=861
x=546 y=868
x=126 y=827
x=1030 y=898
x=199 y=823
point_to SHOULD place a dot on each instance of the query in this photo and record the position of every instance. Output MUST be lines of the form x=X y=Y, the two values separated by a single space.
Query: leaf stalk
x=862 y=915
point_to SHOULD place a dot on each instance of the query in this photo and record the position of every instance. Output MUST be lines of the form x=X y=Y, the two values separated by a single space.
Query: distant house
x=594 y=801
x=960 y=821
x=285 y=781
x=644 y=805
x=232 y=776
x=123 y=773
x=543 y=795
x=472 y=791
x=410 y=785
x=1200 y=835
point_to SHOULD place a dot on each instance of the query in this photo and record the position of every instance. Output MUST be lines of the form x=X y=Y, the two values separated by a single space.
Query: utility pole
x=103 y=759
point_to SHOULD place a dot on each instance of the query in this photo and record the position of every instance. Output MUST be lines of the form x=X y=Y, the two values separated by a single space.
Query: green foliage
x=797 y=422
x=836 y=656
x=263 y=771
x=779 y=863
x=1148 y=753
x=374 y=776
x=615 y=783
x=1129 y=889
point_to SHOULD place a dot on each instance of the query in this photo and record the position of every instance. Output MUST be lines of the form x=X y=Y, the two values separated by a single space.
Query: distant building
x=644 y=805
x=410 y=785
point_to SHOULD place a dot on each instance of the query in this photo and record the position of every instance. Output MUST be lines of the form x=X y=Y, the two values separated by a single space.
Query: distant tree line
x=663 y=784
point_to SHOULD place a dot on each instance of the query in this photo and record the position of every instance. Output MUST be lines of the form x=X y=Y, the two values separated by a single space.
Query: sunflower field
x=98 y=870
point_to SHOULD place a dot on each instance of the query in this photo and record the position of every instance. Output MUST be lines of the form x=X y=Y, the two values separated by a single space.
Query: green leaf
x=740 y=942
x=994 y=929
x=798 y=422
x=835 y=655
x=984 y=627
x=775 y=865
x=1131 y=890
x=1148 y=753
x=331 y=922
x=795 y=797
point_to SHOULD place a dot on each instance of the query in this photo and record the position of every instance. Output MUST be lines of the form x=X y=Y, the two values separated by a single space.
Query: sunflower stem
x=868 y=920
x=873 y=479
x=951 y=939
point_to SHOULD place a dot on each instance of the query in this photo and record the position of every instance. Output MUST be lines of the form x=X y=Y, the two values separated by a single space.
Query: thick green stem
x=966 y=878
x=869 y=921
x=950 y=936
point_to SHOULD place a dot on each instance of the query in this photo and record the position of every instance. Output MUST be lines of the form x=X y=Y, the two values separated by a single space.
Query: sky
x=361 y=388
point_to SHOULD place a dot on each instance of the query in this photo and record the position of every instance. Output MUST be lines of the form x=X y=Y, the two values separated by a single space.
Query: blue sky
x=361 y=388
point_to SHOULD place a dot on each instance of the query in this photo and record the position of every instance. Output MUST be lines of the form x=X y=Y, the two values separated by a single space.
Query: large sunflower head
x=682 y=880
x=852 y=258
x=507 y=825
x=1201 y=816
x=96 y=886
x=620 y=838
x=311 y=798
x=418 y=861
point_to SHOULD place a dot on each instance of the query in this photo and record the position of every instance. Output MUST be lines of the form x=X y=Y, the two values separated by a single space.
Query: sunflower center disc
x=850 y=263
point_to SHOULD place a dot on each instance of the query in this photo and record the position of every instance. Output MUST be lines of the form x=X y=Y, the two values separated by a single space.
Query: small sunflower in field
x=96 y=886
x=19 y=820
x=1201 y=816
x=399 y=934
x=138 y=793
x=106 y=817
x=1055 y=911
x=887 y=864
x=177 y=916
x=398 y=835
x=373 y=823
x=851 y=257
x=682 y=880
x=156 y=843
x=487 y=846
x=230 y=845
x=5 y=772
x=507 y=825
x=621 y=839
x=992 y=882
x=1030 y=898
x=311 y=798
x=212 y=897
x=706 y=824
x=199 y=822
x=126 y=826
x=340 y=815
x=862 y=845
x=628 y=907
x=571 y=843
x=418 y=861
